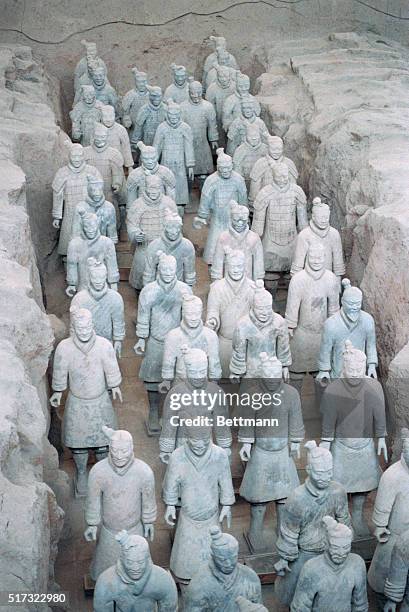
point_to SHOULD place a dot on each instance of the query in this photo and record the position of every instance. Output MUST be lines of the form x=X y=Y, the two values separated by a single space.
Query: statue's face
x=108 y=117
x=225 y=560
x=141 y=83
x=96 y=191
x=149 y=160
x=199 y=446
x=240 y=221
x=89 y=97
x=180 y=78
x=320 y=217
x=136 y=562
x=247 y=110
x=225 y=169
x=243 y=87
x=223 y=78
x=235 y=269
x=339 y=549
x=405 y=450
x=173 y=231
x=316 y=259
x=276 y=150
x=222 y=57
x=197 y=375
x=354 y=369
x=91 y=227
x=262 y=310
x=155 y=98
x=98 y=278
x=352 y=307
x=100 y=139
x=76 y=158
x=195 y=94
x=120 y=452
x=99 y=76
x=192 y=316
x=153 y=191
x=174 y=116
x=320 y=474
x=253 y=138
x=83 y=329
x=91 y=53
x=167 y=271
x=281 y=178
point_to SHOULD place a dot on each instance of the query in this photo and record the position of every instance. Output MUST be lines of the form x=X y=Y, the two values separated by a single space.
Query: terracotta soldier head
x=99 y=76
x=199 y=439
x=95 y=188
x=239 y=217
x=316 y=256
x=339 y=540
x=155 y=95
x=100 y=136
x=248 y=109
x=90 y=224
x=195 y=92
x=281 y=176
x=351 y=300
x=223 y=75
x=218 y=41
x=121 y=452
x=135 y=558
x=173 y=226
x=81 y=323
x=242 y=83
x=97 y=275
x=141 y=80
x=275 y=147
x=235 y=265
x=173 y=114
x=320 y=465
x=196 y=363
x=224 y=550
x=253 y=137
x=223 y=56
x=153 y=187
x=262 y=306
x=320 y=214
x=76 y=154
x=179 y=74
x=192 y=310
x=166 y=268
x=90 y=49
x=271 y=371
x=88 y=95
x=224 y=164
x=354 y=367
x=149 y=156
x=108 y=115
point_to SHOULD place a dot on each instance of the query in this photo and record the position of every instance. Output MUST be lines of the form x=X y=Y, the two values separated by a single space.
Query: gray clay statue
x=350 y=323
x=217 y=585
x=86 y=365
x=218 y=190
x=84 y=115
x=171 y=242
x=70 y=186
x=106 y=305
x=149 y=117
x=301 y=531
x=267 y=449
x=174 y=144
x=90 y=56
x=198 y=478
x=159 y=311
x=104 y=92
x=117 y=135
x=336 y=579
x=178 y=91
x=249 y=152
x=217 y=93
x=239 y=237
x=238 y=128
x=145 y=220
x=211 y=59
x=134 y=583
x=232 y=106
x=245 y=605
x=95 y=202
x=222 y=60
x=133 y=101
x=149 y=166
x=89 y=244
x=396 y=591
x=121 y=495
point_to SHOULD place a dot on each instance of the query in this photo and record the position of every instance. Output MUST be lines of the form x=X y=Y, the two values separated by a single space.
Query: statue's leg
x=296 y=380
x=280 y=503
x=200 y=180
x=101 y=452
x=153 y=420
x=271 y=282
x=257 y=513
x=80 y=456
x=181 y=211
x=360 y=527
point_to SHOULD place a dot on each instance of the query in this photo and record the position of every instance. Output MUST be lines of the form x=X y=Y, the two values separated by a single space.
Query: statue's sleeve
x=213 y=305
x=138 y=127
x=189 y=151
x=242 y=192
x=378 y=404
x=259 y=215
x=384 y=501
x=117 y=173
x=126 y=148
x=212 y=132
x=300 y=253
x=170 y=354
x=329 y=410
x=76 y=221
x=289 y=530
x=58 y=186
x=168 y=601
x=144 y=313
x=324 y=359
x=170 y=491
x=226 y=492
x=93 y=505
x=218 y=260
x=215 y=369
x=206 y=199
x=112 y=231
x=60 y=369
x=222 y=433
x=149 y=509
x=133 y=220
x=104 y=595
x=118 y=318
x=170 y=183
x=359 y=599
x=341 y=509
x=111 y=263
x=131 y=190
x=256 y=177
x=296 y=423
x=338 y=263
x=75 y=116
x=149 y=273
x=257 y=106
x=127 y=102
x=167 y=440
x=238 y=361
x=226 y=114
x=333 y=297
x=305 y=592
x=72 y=264
x=158 y=140
x=189 y=264
x=283 y=345
x=264 y=131
x=371 y=353
x=302 y=219
x=293 y=303
x=111 y=368
x=258 y=260
x=395 y=584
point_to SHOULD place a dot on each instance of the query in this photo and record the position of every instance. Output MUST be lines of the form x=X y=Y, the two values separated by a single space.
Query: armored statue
x=201 y=117
x=121 y=495
x=87 y=77
x=217 y=585
x=396 y=591
x=198 y=478
x=262 y=173
x=70 y=186
x=353 y=414
x=104 y=92
x=232 y=106
x=95 y=202
x=261 y=330
x=159 y=311
x=135 y=583
x=301 y=531
x=171 y=242
x=106 y=305
x=82 y=66
x=149 y=117
x=85 y=364
x=319 y=230
x=89 y=244
x=238 y=128
x=133 y=101
x=249 y=152
x=202 y=400
x=117 y=135
x=218 y=190
x=239 y=237
x=145 y=221
x=178 y=91
x=229 y=299
x=313 y=296
x=217 y=93
x=211 y=60
x=174 y=144
x=350 y=323
x=267 y=448
x=84 y=115
x=222 y=61
x=192 y=334
x=390 y=516
x=149 y=165
x=278 y=210
x=336 y=579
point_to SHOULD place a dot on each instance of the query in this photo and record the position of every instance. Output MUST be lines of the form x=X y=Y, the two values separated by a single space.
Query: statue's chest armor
x=174 y=142
x=197 y=119
x=282 y=217
x=89 y=117
x=76 y=186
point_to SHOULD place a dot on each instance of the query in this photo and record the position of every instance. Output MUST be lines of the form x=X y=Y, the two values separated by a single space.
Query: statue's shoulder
x=259 y=168
x=115 y=156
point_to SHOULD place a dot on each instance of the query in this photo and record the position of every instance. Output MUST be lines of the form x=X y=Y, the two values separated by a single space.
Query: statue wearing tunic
x=238 y=128
x=149 y=165
x=121 y=495
x=218 y=190
x=70 y=186
x=232 y=106
x=104 y=92
x=87 y=77
x=248 y=153
x=82 y=65
x=149 y=117
x=221 y=61
x=117 y=135
x=216 y=94
x=396 y=590
x=178 y=91
x=84 y=115
x=212 y=58
x=133 y=101
x=95 y=203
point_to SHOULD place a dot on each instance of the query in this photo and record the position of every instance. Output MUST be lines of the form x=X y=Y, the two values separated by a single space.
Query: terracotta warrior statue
x=232 y=106
x=84 y=115
x=171 y=242
x=279 y=209
x=104 y=92
x=106 y=305
x=350 y=323
x=85 y=364
x=218 y=190
x=217 y=93
x=178 y=91
x=95 y=202
x=217 y=585
x=221 y=61
x=260 y=330
x=262 y=173
x=201 y=117
x=249 y=152
x=134 y=582
x=198 y=478
x=396 y=591
x=149 y=117
x=201 y=398
x=87 y=77
x=301 y=531
x=211 y=59
x=145 y=220
x=117 y=135
x=353 y=414
x=313 y=296
x=149 y=165
x=121 y=495
x=159 y=311
x=133 y=101
x=390 y=517
x=70 y=186
x=319 y=230
x=230 y=298
x=238 y=128
x=268 y=449
x=336 y=579
x=239 y=237
x=89 y=244
x=192 y=334
x=82 y=66
x=174 y=144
